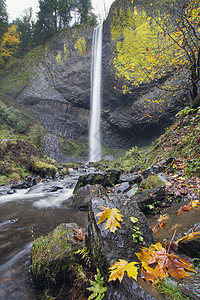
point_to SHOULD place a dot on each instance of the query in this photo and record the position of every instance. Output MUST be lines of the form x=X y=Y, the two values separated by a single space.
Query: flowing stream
x=95 y=98
x=35 y=211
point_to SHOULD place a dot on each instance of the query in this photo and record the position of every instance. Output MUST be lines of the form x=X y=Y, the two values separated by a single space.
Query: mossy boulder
x=51 y=255
x=107 y=179
x=42 y=168
x=153 y=181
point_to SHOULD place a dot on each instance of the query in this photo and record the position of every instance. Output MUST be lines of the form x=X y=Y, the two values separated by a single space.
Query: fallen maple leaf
x=79 y=233
x=118 y=269
x=113 y=217
x=157 y=263
x=189 y=236
x=193 y=204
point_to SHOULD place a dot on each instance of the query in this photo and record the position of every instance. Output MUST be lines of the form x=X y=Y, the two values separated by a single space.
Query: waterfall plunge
x=95 y=96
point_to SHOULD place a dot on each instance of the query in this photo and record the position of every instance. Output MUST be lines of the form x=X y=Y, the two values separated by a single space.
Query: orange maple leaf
x=157 y=263
x=193 y=204
x=189 y=236
x=112 y=216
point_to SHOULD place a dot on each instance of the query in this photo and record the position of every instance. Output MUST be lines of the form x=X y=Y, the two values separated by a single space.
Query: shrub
x=12 y=119
x=21 y=126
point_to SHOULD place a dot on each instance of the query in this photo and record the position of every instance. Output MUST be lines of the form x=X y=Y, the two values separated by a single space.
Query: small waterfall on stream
x=95 y=96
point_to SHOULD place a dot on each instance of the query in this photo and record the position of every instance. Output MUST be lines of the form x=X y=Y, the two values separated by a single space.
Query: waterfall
x=95 y=96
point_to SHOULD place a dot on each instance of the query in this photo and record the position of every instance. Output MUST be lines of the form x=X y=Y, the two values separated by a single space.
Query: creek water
x=24 y=215
x=95 y=96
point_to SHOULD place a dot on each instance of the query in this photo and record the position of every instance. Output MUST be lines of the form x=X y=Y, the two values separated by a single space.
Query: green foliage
x=73 y=147
x=97 y=287
x=21 y=126
x=137 y=235
x=13 y=117
x=3 y=18
x=46 y=251
x=56 y=15
x=193 y=167
x=42 y=168
x=133 y=157
x=184 y=112
x=171 y=290
x=84 y=254
x=25 y=25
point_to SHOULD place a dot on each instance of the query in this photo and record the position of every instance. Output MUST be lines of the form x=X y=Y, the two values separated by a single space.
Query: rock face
x=54 y=81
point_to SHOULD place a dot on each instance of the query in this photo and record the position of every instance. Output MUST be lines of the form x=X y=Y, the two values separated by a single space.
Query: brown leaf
x=80 y=233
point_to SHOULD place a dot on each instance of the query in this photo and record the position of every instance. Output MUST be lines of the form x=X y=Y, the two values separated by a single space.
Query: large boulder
x=107 y=247
x=107 y=179
x=51 y=255
x=83 y=195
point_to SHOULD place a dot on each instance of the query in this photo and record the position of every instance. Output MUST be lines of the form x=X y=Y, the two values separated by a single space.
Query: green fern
x=97 y=287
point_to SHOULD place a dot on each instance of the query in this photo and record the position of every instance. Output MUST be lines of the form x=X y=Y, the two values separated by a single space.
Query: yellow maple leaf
x=118 y=269
x=195 y=203
x=112 y=216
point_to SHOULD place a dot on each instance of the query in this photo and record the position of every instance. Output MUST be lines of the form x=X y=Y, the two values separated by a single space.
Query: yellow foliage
x=9 y=43
x=80 y=46
x=143 y=52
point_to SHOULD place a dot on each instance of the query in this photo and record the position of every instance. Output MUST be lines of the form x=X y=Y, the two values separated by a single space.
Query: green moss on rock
x=52 y=254
x=42 y=168
x=151 y=182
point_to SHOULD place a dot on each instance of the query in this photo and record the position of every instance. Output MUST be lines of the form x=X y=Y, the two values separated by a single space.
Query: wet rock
x=55 y=189
x=191 y=247
x=52 y=254
x=109 y=158
x=106 y=247
x=157 y=168
x=11 y=192
x=107 y=179
x=191 y=287
x=134 y=169
x=150 y=201
x=121 y=187
x=27 y=183
x=84 y=194
x=51 y=147
x=131 y=193
x=131 y=178
x=128 y=289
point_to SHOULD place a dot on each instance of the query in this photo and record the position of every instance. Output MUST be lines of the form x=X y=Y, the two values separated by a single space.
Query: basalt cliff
x=54 y=81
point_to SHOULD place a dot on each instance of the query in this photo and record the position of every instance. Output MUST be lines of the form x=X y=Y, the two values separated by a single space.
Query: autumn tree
x=155 y=40
x=180 y=22
x=9 y=44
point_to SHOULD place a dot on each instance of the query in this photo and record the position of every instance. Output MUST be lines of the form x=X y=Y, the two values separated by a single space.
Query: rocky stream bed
x=74 y=201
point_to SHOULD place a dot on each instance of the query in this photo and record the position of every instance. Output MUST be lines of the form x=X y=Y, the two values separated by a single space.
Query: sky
x=15 y=8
